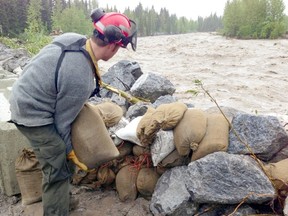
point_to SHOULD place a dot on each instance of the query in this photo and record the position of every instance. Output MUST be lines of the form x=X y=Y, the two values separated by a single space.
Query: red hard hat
x=115 y=28
x=115 y=19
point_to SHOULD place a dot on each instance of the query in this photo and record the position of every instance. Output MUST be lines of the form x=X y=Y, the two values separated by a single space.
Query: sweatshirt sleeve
x=75 y=84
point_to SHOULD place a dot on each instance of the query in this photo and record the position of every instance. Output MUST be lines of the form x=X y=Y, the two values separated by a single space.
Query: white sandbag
x=162 y=146
x=129 y=132
x=112 y=130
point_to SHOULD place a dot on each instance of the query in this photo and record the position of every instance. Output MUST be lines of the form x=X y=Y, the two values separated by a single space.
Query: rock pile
x=239 y=177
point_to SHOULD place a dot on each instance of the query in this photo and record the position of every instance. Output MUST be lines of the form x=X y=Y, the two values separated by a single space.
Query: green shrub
x=31 y=42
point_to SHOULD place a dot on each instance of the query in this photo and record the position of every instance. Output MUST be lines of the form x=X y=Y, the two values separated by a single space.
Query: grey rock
x=151 y=86
x=166 y=99
x=17 y=70
x=281 y=155
x=218 y=178
x=229 y=112
x=138 y=109
x=5 y=54
x=122 y=76
x=228 y=179
x=14 y=58
x=170 y=196
x=3 y=74
x=264 y=135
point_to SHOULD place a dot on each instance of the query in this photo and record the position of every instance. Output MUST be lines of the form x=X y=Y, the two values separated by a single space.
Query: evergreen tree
x=34 y=17
x=15 y=16
x=56 y=16
x=139 y=19
x=254 y=18
x=47 y=14
x=4 y=21
x=152 y=21
x=75 y=20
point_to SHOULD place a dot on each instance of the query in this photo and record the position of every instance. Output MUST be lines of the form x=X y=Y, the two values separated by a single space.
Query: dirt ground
x=91 y=203
x=249 y=75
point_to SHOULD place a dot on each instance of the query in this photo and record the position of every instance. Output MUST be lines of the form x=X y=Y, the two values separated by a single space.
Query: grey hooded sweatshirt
x=34 y=100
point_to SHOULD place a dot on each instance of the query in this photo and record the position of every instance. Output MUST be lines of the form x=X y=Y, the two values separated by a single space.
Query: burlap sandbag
x=125 y=149
x=110 y=112
x=105 y=176
x=160 y=169
x=147 y=127
x=29 y=177
x=278 y=172
x=190 y=131
x=83 y=177
x=126 y=183
x=139 y=150
x=146 y=181
x=168 y=115
x=174 y=159
x=165 y=117
x=90 y=138
x=216 y=137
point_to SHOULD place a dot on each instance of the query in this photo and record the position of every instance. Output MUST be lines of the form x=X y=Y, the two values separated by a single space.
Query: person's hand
x=73 y=157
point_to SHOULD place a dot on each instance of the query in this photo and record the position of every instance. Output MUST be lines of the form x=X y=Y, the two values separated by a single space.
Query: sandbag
x=278 y=172
x=147 y=128
x=216 y=137
x=29 y=177
x=90 y=138
x=126 y=183
x=110 y=112
x=83 y=177
x=140 y=150
x=190 y=131
x=118 y=164
x=174 y=159
x=146 y=181
x=168 y=115
x=129 y=132
x=165 y=117
x=125 y=149
x=162 y=146
x=105 y=176
x=112 y=130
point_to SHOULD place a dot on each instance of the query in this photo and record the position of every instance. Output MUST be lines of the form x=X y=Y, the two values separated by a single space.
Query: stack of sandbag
x=164 y=137
x=29 y=177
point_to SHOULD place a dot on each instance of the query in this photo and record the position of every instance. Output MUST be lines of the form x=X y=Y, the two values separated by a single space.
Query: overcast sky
x=188 y=8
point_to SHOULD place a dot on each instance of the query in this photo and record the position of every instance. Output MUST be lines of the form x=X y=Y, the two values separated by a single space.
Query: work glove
x=73 y=157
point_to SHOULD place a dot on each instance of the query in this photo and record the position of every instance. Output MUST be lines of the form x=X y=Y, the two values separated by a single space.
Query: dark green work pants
x=50 y=150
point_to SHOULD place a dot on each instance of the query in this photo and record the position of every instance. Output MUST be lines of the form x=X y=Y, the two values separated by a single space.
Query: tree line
x=255 y=19
x=45 y=16
x=241 y=18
